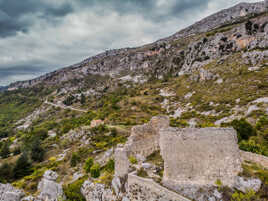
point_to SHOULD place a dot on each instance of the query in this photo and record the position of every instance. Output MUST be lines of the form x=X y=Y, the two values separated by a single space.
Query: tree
x=95 y=170
x=88 y=164
x=75 y=159
x=36 y=151
x=83 y=99
x=5 y=150
x=22 y=167
x=244 y=129
x=5 y=173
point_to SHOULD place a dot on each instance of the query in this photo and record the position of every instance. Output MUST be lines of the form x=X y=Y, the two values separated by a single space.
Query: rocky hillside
x=59 y=132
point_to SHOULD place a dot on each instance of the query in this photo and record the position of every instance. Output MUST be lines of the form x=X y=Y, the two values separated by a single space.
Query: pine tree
x=5 y=150
x=22 y=167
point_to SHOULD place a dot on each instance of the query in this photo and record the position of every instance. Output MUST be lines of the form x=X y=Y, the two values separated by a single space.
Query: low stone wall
x=256 y=158
x=141 y=189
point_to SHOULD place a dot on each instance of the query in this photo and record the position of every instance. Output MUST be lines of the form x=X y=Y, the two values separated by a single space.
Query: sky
x=40 y=36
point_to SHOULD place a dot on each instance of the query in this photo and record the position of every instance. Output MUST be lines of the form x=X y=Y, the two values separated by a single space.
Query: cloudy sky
x=39 y=36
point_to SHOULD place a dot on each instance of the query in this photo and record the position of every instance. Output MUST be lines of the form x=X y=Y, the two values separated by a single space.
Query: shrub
x=109 y=167
x=142 y=173
x=132 y=160
x=252 y=146
x=4 y=153
x=88 y=164
x=249 y=196
x=75 y=159
x=72 y=191
x=5 y=173
x=37 y=152
x=22 y=167
x=244 y=129
x=95 y=170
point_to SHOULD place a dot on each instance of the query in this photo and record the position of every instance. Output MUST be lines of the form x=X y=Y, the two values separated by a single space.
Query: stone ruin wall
x=255 y=158
x=144 y=140
x=141 y=189
x=199 y=156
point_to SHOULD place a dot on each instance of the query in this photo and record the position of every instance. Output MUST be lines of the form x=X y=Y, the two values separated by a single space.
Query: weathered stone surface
x=199 y=156
x=121 y=161
x=141 y=189
x=9 y=193
x=246 y=184
x=48 y=188
x=256 y=158
x=97 y=192
x=144 y=140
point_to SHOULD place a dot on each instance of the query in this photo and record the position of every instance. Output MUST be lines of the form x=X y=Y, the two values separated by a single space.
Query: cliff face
x=165 y=56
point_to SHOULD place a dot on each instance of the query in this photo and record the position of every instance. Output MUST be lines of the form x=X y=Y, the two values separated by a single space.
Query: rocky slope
x=59 y=132
x=160 y=58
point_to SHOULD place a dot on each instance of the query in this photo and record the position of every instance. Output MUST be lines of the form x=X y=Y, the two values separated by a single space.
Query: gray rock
x=9 y=193
x=48 y=188
x=246 y=184
x=97 y=192
x=116 y=184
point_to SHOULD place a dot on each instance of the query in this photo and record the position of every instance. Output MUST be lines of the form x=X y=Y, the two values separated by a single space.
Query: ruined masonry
x=192 y=157
x=199 y=156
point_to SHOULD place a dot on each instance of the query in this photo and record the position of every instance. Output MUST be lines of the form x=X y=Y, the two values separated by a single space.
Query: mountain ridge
x=227 y=16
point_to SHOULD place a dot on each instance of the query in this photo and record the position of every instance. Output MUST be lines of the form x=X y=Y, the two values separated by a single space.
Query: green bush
x=72 y=191
x=132 y=160
x=249 y=196
x=36 y=150
x=22 y=167
x=244 y=129
x=5 y=173
x=88 y=164
x=252 y=146
x=4 y=153
x=95 y=170
x=75 y=159
x=142 y=173
x=109 y=167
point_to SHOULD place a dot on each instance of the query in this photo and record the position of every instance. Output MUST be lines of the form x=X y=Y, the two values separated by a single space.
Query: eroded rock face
x=246 y=184
x=49 y=189
x=199 y=157
x=9 y=193
x=97 y=192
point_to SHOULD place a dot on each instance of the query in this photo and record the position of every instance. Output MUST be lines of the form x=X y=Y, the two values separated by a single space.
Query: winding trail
x=65 y=107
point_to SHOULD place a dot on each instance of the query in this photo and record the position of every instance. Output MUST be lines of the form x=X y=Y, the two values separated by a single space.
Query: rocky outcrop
x=9 y=193
x=247 y=184
x=49 y=189
x=97 y=192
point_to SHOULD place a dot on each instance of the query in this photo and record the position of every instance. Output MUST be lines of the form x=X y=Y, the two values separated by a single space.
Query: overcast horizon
x=41 y=36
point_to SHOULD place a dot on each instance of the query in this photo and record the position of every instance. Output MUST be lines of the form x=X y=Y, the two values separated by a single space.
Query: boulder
x=97 y=192
x=9 y=193
x=246 y=184
x=48 y=188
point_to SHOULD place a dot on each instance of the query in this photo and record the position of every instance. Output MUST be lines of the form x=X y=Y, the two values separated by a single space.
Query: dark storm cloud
x=13 y=14
x=150 y=9
x=39 y=36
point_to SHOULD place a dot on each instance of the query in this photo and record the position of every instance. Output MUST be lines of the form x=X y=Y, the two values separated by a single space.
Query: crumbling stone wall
x=141 y=189
x=144 y=140
x=255 y=158
x=199 y=157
